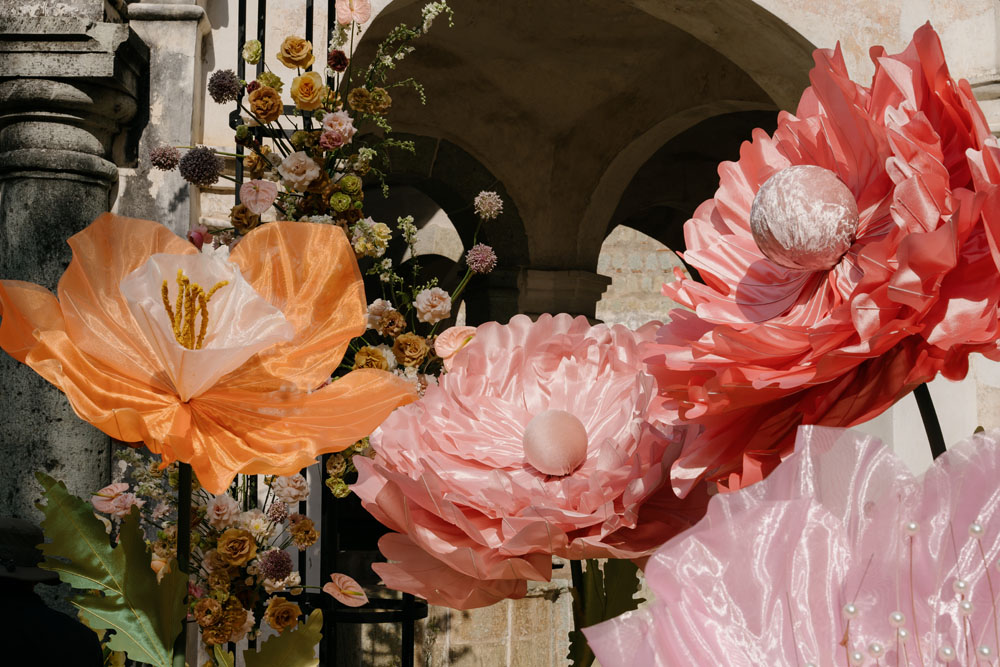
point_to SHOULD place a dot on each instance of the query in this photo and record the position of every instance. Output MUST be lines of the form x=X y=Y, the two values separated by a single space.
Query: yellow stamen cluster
x=191 y=300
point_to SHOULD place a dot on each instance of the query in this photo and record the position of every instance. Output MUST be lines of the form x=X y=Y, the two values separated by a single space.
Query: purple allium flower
x=488 y=205
x=165 y=157
x=275 y=564
x=224 y=86
x=277 y=512
x=481 y=258
x=201 y=166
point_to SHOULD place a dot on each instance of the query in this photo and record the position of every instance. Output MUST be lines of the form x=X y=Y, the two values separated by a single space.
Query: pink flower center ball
x=555 y=443
x=804 y=217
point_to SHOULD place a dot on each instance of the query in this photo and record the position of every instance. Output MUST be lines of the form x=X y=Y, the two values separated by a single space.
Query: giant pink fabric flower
x=767 y=577
x=767 y=347
x=451 y=475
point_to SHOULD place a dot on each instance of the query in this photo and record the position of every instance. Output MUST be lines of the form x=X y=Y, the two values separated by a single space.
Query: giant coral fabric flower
x=288 y=301
x=839 y=557
x=459 y=474
x=770 y=347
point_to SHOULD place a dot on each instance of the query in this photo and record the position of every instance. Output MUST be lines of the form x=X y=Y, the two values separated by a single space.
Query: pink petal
x=346 y=590
x=258 y=195
x=357 y=11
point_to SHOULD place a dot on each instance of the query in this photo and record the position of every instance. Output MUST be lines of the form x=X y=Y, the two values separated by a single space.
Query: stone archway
x=451 y=177
x=565 y=106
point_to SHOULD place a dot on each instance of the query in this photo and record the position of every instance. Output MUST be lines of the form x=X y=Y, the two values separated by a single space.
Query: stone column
x=560 y=291
x=69 y=84
x=174 y=33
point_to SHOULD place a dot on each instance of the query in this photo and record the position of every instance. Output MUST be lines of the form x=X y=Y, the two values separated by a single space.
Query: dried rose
x=236 y=546
x=243 y=219
x=410 y=349
x=281 y=614
x=296 y=52
x=265 y=104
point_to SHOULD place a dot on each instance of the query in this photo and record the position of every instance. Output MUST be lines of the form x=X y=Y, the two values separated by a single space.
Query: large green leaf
x=145 y=616
x=294 y=648
x=606 y=593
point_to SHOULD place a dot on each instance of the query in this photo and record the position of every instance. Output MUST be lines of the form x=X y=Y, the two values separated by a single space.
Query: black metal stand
x=183 y=548
x=931 y=424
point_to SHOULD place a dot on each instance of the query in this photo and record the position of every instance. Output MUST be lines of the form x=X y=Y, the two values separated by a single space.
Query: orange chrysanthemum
x=227 y=383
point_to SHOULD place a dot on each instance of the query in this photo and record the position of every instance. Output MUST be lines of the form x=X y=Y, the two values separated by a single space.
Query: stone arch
x=451 y=177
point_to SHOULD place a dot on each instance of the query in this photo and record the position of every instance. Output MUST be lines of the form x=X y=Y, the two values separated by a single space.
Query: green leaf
x=223 y=658
x=293 y=648
x=606 y=593
x=145 y=616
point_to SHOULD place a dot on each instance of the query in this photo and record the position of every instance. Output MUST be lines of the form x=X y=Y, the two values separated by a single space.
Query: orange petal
x=309 y=271
x=33 y=331
x=97 y=318
x=345 y=590
x=281 y=432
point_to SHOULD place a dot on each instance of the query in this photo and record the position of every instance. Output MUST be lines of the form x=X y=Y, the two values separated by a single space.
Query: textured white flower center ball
x=804 y=217
x=555 y=443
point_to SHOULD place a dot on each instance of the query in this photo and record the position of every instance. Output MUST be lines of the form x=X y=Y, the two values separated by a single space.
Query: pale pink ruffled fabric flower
x=450 y=341
x=475 y=520
x=765 y=577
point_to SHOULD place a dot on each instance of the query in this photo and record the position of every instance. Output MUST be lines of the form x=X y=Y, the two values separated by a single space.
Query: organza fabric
x=765 y=348
x=264 y=416
x=475 y=521
x=764 y=578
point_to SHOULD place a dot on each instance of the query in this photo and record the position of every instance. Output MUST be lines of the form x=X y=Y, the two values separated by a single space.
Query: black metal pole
x=929 y=416
x=183 y=548
x=408 y=633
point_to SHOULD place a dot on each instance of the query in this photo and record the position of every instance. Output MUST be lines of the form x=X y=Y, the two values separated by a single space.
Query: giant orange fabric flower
x=288 y=301
x=794 y=327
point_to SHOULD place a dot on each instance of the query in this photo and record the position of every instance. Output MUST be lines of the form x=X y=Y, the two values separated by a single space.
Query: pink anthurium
x=356 y=11
x=258 y=195
x=346 y=590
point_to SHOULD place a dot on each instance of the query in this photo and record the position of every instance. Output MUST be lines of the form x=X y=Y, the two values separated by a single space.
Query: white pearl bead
x=857 y=658
x=984 y=651
x=896 y=619
x=876 y=650
x=960 y=586
x=975 y=530
x=850 y=611
x=911 y=528
x=965 y=607
x=946 y=654
x=903 y=634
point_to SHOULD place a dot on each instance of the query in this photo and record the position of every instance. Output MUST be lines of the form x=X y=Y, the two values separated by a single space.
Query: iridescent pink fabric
x=767 y=576
x=768 y=348
x=475 y=520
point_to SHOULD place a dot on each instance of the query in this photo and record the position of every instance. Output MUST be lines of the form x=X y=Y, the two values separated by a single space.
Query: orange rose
x=296 y=52
x=308 y=91
x=265 y=104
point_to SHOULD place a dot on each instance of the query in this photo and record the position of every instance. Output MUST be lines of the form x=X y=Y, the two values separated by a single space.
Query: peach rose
x=410 y=349
x=433 y=305
x=222 y=511
x=291 y=489
x=298 y=170
x=296 y=52
x=308 y=91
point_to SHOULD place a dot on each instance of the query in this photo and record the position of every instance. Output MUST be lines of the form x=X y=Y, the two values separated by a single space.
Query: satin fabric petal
x=263 y=417
x=311 y=274
x=762 y=579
